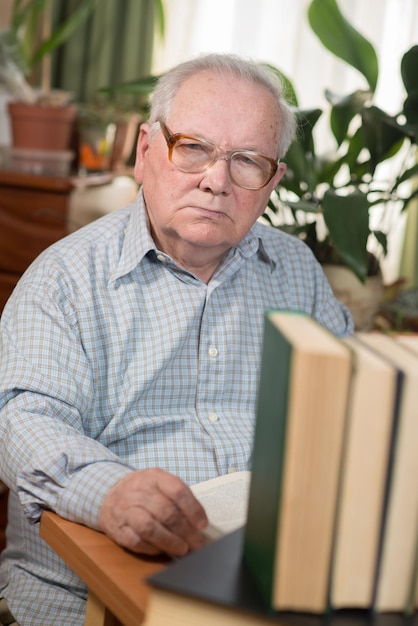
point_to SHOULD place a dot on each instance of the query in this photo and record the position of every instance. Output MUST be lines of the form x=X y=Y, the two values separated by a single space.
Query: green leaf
x=411 y=107
x=382 y=135
x=305 y=206
x=382 y=239
x=410 y=110
x=300 y=160
x=409 y=69
x=343 y=111
x=347 y=221
x=288 y=89
x=139 y=86
x=355 y=147
x=62 y=33
x=328 y=169
x=24 y=11
x=408 y=174
x=306 y=121
x=159 y=9
x=344 y=41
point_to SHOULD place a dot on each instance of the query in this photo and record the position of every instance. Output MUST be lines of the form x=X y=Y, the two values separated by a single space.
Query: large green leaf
x=328 y=168
x=344 y=109
x=410 y=110
x=300 y=158
x=342 y=39
x=409 y=69
x=347 y=221
x=352 y=156
x=382 y=135
x=306 y=121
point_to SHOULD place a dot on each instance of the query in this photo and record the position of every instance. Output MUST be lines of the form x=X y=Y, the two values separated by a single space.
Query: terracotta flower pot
x=42 y=127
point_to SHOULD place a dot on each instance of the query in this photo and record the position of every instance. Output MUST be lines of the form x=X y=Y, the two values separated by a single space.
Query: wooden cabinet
x=33 y=215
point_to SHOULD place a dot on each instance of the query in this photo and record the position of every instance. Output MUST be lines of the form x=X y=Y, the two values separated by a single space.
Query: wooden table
x=118 y=593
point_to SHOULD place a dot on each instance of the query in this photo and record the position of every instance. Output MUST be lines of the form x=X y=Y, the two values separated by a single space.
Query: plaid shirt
x=114 y=358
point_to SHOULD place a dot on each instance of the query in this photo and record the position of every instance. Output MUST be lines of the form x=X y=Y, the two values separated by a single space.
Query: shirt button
x=213 y=417
x=213 y=352
x=161 y=258
x=232 y=470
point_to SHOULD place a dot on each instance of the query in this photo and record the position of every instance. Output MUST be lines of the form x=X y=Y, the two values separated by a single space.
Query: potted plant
x=330 y=199
x=40 y=117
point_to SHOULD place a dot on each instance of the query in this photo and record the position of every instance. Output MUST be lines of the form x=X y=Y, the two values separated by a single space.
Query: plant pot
x=42 y=127
x=362 y=299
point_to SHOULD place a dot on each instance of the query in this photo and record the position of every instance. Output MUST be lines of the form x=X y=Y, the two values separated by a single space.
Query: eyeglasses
x=193 y=155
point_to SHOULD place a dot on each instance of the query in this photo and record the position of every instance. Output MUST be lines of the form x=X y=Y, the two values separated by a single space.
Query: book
x=214 y=585
x=410 y=340
x=299 y=434
x=398 y=558
x=412 y=599
x=206 y=587
x=225 y=500
x=326 y=499
x=373 y=405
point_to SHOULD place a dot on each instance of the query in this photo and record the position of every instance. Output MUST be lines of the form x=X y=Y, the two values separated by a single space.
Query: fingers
x=151 y=511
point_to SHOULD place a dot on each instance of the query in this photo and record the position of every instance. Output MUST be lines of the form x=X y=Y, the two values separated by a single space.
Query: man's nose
x=216 y=177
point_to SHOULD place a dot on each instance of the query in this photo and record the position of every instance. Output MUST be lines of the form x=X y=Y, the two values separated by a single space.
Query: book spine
x=267 y=460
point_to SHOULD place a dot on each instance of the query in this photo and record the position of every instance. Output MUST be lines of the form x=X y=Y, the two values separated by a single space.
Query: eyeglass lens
x=246 y=169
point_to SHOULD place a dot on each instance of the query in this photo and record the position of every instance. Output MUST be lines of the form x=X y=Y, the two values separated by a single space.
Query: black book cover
x=218 y=574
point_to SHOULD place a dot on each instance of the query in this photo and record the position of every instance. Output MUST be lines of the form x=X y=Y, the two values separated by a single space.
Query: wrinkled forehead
x=211 y=101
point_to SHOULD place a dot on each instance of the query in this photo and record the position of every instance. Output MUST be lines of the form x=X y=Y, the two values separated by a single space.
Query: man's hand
x=152 y=511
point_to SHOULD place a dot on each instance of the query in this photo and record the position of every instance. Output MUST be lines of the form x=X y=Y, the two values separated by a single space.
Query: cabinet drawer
x=8 y=282
x=29 y=223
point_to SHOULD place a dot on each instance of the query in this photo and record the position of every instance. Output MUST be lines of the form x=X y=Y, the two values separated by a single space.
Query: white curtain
x=278 y=32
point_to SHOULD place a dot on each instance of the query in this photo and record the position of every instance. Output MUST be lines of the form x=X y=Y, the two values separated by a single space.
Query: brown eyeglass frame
x=173 y=138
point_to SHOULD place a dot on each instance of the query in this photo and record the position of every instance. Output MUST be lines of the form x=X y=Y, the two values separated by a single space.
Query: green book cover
x=296 y=462
x=268 y=455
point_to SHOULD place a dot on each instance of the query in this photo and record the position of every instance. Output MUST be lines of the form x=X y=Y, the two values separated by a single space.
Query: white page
x=225 y=500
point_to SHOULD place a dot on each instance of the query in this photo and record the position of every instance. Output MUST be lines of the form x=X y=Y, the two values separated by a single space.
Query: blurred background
x=119 y=46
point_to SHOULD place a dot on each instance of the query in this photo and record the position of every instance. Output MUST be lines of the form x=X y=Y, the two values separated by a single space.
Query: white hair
x=169 y=84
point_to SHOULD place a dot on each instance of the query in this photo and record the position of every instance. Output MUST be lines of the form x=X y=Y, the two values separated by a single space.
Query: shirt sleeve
x=49 y=452
x=306 y=286
x=329 y=311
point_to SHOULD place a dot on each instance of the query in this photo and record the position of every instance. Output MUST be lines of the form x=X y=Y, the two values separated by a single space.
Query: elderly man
x=130 y=350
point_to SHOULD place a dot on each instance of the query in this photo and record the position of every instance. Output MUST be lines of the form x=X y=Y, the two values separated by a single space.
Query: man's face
x=205 y=214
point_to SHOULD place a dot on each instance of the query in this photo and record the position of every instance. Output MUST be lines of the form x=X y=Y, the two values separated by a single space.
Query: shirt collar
x=138 y=242
x=253 y=244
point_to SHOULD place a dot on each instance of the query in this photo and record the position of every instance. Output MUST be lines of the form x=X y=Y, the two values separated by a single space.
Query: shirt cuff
x=85 y=490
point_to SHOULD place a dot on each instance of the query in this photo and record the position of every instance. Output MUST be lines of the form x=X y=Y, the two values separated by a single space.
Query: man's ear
x=281 y=171
x=141 y=149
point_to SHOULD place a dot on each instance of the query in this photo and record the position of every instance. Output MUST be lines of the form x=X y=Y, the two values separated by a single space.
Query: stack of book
x=336 y=459
x=330 y=514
